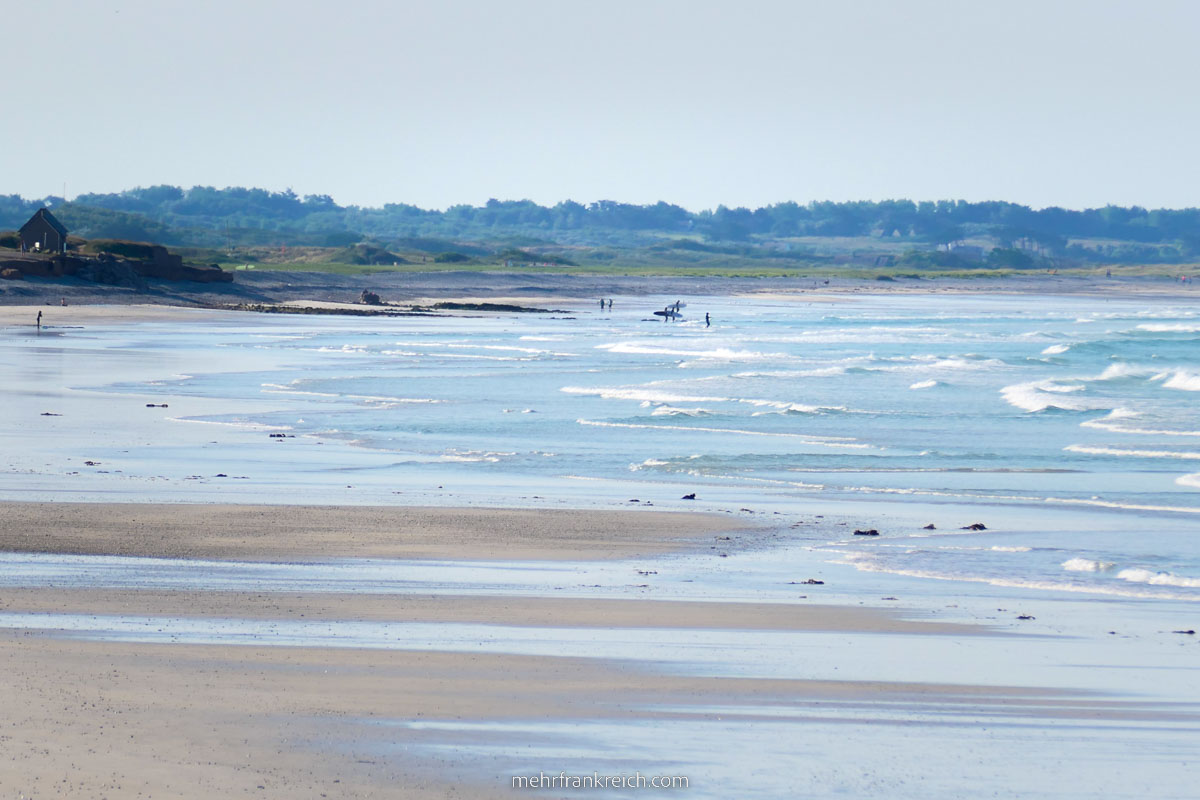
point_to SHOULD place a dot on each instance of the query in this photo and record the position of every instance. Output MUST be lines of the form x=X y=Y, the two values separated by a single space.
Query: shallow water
x=1068 y=425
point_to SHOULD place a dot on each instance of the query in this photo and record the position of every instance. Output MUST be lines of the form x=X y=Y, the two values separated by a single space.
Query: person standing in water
x=39 y=321
x=707 y=321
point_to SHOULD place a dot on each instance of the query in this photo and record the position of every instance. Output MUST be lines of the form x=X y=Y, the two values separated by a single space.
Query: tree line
x=206 y=215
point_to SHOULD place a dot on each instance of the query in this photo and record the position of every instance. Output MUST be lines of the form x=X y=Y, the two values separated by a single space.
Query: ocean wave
x=249 y=426
x=717 y=354
x=814 y=440
x=1183 y=379
x=647 y=396
x=1046 y=395
x=999 y=548
x=1120 y=451
x=672 y=411
x=924 y=385
x=816 y=372
x=865 y=563
x=1086 y=565
x=1056 y=349
x=1169 y=327
x=1123 y=371
x=1137 y=575
x=1192 y=480
x=275 y=388
x=1109 y=423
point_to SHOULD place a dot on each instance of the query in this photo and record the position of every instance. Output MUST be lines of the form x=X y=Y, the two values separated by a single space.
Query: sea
x=1068 y=427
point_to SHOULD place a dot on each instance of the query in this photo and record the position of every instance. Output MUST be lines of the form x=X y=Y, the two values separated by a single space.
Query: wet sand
x=118 y=719
x=297 y=532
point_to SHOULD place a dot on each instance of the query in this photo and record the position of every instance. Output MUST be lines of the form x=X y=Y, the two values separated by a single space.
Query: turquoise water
x=1068 y=425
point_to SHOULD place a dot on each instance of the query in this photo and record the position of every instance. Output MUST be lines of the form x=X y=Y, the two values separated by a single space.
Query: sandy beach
x=136 y=720
x=128 y=719
x=193 y=642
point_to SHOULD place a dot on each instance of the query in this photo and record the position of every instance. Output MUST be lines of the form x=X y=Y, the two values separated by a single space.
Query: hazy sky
x=1053 y=102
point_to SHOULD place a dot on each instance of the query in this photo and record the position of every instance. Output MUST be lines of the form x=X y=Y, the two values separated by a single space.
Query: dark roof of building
x=45 y=214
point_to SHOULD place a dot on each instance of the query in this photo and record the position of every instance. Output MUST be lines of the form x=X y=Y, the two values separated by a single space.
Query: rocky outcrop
x=110 y=269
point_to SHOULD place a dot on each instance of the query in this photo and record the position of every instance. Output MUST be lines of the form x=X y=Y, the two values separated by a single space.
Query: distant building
x=43 y=233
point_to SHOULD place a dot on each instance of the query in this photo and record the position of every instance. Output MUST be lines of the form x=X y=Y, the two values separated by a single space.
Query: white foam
x=275 y=388
x=1182 y=379
x=1086 y=565
x=673 y=411
x=717 y=354
x=923 y=385
x=1123 y=370
x=1109 y=423
x=821 y=441
x=1041 y=395
x=652 y=396
x=1136 y=575
x=999 y=548
x=860 y=562
x=1056 y=349
x=249 y=426
x=1191 y=481
x=1173 y=327
x=1120 y=451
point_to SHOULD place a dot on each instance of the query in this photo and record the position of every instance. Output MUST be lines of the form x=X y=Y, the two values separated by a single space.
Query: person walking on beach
x=39 y=321
x=707 y=321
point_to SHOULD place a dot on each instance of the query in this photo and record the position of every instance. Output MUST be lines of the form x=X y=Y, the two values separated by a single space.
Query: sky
x=1075 y=103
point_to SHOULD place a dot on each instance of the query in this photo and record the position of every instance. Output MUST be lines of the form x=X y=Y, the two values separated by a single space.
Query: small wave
x=1086 y=565
x=1056 y=349
x=652 y=396
x=823 y=442
x=1120 y=451
x=1182 y=379
x=1172 y=327
x=923 y=385
x=1136 y=575
x=865 y=564
x=275 y=388
x=1045 y=395
x=716 y=354
x=999 y=548
x=1192 y=480
x=1109 y=423
x=1123 y=371
x=249 y=426
x=672 y=411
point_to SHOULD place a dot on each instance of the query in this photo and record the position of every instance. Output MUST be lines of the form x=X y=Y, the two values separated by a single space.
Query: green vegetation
x=275 y=230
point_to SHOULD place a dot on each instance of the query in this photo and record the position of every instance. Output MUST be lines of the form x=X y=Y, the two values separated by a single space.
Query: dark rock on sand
x=974 y=526
x=930 y=527
x=869 y=532
x=691 y=496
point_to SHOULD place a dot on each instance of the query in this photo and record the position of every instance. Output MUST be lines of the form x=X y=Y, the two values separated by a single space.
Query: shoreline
x=402 y=292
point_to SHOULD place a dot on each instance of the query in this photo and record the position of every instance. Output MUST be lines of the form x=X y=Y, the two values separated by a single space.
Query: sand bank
x=294 y=533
